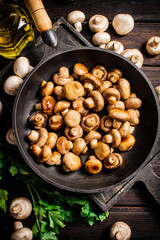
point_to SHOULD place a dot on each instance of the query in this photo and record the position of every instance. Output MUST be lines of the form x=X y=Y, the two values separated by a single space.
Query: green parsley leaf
x=3 y=199
x=13 y=170
x=48 y=236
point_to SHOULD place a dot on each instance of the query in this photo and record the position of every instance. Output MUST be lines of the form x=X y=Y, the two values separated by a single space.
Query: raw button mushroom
x=120 y=231
x=20 y=208
x=94 y=101
x=22 y=67
x=153 y=45
x=93 y=165
x=113 y=161
x=101 y=39
x=115 y=46
x=21 y=233
x=10 y=137
x=134 y=55
x=98 y=23
x=12 y=84
x=71 y=162
x=76 y=18
x=62 y=77
x=123 y=23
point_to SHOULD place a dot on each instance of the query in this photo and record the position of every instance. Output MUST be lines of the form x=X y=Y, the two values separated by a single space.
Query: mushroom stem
x=89 y=102
x=119 y=236
x=116 y=46
x=69 y=145
x=63 y=71
x=78 y=26
x=33 y=136
x=88 y=86
x=155 y=42
x=134 y=58
x=17 y=209
x=38 y=106
x=98 y=19
x=90 y=121
x=18 y=225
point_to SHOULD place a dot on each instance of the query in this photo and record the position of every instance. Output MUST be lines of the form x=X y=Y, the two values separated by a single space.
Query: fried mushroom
x=93 y=165
x=90 y=122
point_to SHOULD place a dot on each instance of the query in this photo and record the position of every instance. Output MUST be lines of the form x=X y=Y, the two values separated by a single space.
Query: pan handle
x=150 y=179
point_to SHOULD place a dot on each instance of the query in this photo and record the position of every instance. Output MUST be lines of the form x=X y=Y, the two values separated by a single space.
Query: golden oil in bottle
x=16 y=31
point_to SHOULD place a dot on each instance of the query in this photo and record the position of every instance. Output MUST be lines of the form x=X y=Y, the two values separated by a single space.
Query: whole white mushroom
x=21 y=233
x=101 y=39
x=76 y=18
x=115 y=46
x=22 y=67
x=12 y=84
x=98 y=23
x=123 y=23
x=153 y=45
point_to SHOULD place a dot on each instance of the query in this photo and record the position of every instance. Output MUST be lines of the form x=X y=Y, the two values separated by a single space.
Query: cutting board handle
x=39 y=15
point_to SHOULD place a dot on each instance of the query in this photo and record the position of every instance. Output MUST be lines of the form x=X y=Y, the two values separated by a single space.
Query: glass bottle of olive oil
x=16 y=31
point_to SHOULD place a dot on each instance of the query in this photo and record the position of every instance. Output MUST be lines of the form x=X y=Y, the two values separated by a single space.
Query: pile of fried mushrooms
x=81 y=112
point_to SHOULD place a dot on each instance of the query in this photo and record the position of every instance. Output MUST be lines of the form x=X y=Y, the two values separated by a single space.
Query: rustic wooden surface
x=137 y=207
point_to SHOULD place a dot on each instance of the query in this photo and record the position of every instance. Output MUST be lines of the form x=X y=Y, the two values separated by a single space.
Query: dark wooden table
x=137 y=207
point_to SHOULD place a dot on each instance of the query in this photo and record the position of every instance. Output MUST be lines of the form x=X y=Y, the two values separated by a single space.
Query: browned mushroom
x=111 y=95
x=120 y=230
x=93 y=165
x=72 y=118
x=104 y=85
x=63 y=145
x=56 y=122
x=92 y=138
x=51 y=140
x=46 y=88
x=124 y=88
x=62 y=107
x=55 y=159
x=72 y=133
x=134 y=117
x=79 y=69
x=79 y=146
x=10 y=137
x=116 y=123
x=124 y=129
x=90 y=81
x=127 y=143
x=62 y=77
x=42 y=154
x=90 y=122
x=100 y=72
x=71 y=162
x=94 y=101
x=114 y=75
x=117 y=105
x=113 y=137
x=113 y=161
x=38 y=137
x=47 y=105
x=106 y=123
x=59 y=92
x=35 y=150
x=38 y=119
x=79 y=106
x=119 y=114
x=133 y=102
x=73 y=90
x=102 y=150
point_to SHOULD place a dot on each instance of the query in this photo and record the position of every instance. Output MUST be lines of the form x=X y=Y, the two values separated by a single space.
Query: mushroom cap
x=134 y=118
x=59 y=91
x=93 y=165
x=42 y=137
x=63 y=145
x=22 y=233
x=125 y=129
x=76 y=16
x=127 y=143
x=92 y=135
x=98 y=23
x=61 y=106
x=115 y=46
x=102 y=150
x=113 y=161
x=153 y=45
x=118 y=105
x=72 y=118
x=100 y=72
x=12 y=84
x=73 y=90
x=101 y=38
x=73 y=133
x=134 y=55
x=36 y=150
x=47 y=104
x=62 y=77
x=56 y=122
x=79 y=145
x=97 y=99
x=90 y=78
x=10 y=138
x=124 y=88
x=133 y=102
x=21 y=67
x=79 y=69
x=51 y=140
x=45 y=154
x=106 y=123
x=20 y=208
x=71 y=162
x=123 y=23
x=111 y=95
x=38 y=119
x=46 y=88
x=116 y=138
x=119 y=114
x=120 y=230
x=90 y=122
x=55 y=159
